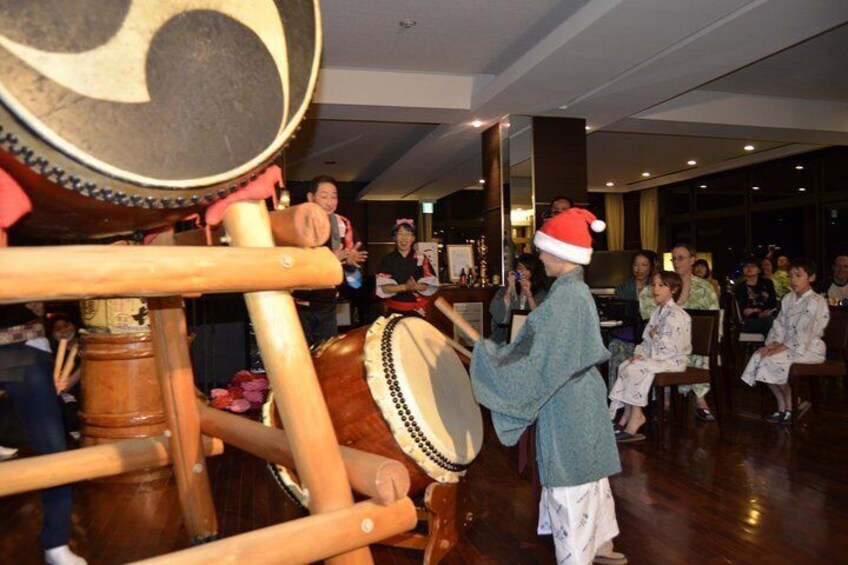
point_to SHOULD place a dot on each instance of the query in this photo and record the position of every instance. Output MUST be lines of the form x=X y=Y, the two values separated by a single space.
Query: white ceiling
x=659 y=82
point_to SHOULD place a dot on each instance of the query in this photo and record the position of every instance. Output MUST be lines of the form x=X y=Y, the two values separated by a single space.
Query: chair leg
x=659 y=403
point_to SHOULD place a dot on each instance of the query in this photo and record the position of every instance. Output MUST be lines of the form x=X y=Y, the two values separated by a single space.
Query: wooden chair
x=705 y=341
x=836 y=339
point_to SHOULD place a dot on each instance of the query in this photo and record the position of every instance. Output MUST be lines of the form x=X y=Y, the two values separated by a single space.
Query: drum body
x=398 y=390
x=121 y=397
x=127 y=115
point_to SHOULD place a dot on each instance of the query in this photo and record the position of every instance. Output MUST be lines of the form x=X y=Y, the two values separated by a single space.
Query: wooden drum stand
x=339 y=529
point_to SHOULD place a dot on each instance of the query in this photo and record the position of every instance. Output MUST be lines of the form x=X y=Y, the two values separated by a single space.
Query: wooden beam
x=176 y=378
x=291 y=373
x=380 y=478
x=305 y=540
x=105 y=460
x=304 y=225
x=30 y=274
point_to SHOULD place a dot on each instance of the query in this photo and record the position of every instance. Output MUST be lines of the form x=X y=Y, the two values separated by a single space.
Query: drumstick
x=60 y=359
x=69 y=362
x=459 y=348
x=446 y=309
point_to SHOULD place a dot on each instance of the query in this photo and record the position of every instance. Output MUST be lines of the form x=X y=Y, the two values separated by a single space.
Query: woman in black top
x=405 y=277
x=756 y=298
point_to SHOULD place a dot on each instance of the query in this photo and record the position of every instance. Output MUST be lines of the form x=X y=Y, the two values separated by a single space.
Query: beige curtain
x=615 y=221
x=649 y=226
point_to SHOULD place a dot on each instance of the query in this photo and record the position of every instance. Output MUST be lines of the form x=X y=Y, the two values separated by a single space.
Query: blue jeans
x=37 y=405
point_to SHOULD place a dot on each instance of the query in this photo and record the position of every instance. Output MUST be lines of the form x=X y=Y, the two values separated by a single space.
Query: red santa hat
x=567 y=236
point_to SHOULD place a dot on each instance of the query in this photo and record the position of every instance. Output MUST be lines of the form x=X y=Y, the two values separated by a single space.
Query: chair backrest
x=705 y=332
x=836 y=332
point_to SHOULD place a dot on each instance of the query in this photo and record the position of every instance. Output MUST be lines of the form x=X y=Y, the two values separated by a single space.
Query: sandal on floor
x=624 y=437
x=612 y=558
x=704 y=415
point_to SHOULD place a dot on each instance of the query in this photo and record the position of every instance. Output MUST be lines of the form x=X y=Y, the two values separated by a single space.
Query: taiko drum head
x=151 y=105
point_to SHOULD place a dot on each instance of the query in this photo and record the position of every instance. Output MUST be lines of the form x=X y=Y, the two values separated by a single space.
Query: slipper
x=613 y=558
x=624 y=437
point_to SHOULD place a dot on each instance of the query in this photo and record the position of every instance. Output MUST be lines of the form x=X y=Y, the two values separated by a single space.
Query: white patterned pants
x=581 y=520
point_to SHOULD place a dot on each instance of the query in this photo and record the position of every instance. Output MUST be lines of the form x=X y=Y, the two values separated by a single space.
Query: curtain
x=615 y=221
x=649 y=226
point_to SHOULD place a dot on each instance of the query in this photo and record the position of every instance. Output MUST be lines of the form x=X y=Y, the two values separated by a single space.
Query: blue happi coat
x=548 y=376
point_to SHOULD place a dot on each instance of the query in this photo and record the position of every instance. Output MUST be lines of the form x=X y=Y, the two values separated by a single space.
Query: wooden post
x=170 y=348
x=291 y=373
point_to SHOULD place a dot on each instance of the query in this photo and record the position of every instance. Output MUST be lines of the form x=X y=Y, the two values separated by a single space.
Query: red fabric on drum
x=259 y=189
x=14 y=203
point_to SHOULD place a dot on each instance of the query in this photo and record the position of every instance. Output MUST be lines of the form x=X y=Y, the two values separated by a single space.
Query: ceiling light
x=702 y=186
x=755 y=188
x=802 y=189
x=646 y=174
x=691 y=162
x=748 y=148
x=588 y=128
x=406 y=24
x=476 y=123
x=482 y=181
x=799 y=167
x=610 y=184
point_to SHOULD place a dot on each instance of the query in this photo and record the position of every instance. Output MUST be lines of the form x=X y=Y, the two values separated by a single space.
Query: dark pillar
x=559 y=161
x=493 y=198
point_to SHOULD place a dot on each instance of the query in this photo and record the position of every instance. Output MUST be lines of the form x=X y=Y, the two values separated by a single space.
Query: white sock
x=62 y=555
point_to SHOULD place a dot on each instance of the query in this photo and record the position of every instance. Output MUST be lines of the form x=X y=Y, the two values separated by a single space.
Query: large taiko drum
x=399 y=390
x=125 y=115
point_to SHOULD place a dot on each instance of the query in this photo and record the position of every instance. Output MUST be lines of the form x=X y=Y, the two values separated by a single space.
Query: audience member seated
x=756 y=297
x=697 y=294
x=795 y=337
x=623 y=340
x=666 y=344
x=524 y=290
x=835 y=288
x=778 y=278
x=702 y=270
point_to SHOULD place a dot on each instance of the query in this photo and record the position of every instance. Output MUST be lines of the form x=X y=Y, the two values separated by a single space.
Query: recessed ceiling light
x=691 y=162
x=588 y=128
x=755 y=188
x=646 y=174
x=610 y=184
x=799 y=167
x=482 y=181
x=702 y=186
x=748 y=148
x=476 y=123
x=802 y=189
x=406 y=24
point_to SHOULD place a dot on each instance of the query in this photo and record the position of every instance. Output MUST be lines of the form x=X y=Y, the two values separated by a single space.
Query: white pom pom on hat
x=598 y=226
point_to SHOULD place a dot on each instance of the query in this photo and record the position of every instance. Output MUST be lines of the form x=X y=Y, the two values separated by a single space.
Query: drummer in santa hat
x=547 y=376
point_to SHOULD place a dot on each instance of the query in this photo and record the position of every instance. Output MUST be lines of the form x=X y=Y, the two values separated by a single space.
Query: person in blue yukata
x=548 y=376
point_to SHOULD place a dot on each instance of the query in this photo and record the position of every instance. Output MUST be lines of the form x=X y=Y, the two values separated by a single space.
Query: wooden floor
x=760 y=494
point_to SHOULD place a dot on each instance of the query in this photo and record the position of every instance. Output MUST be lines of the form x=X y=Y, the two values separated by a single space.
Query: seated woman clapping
x=666 y=343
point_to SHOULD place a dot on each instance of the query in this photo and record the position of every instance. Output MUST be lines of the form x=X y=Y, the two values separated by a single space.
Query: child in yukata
x=666 y=344
x=795 y=337
x=548 y=375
